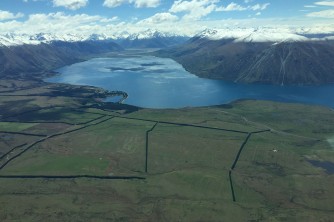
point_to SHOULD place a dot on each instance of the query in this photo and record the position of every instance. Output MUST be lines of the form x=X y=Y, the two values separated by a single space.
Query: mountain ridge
x=37 y=61
x=294 y=62
x=15 y=39
x=244 y=55
x=37 y=54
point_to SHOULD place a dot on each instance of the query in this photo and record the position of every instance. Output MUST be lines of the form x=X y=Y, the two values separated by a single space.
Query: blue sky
x=187 y=16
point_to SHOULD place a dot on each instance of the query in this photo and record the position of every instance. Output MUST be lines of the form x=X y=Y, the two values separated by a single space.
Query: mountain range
x=35 y=61
x=151 y=39
x=240 y=55
x=257 y=56
x=36 y=55
x=145 y=39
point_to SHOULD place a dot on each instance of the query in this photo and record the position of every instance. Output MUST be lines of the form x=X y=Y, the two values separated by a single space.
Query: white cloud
x=58 y=23
x=83 y=24
x=160 y=18
x=195 y=9
x=137 y=3
x=259 y=7
x=5 y=15
x=258 y=14
x=236 y=7
x=114 y=3
x=147 y=3
x=70 y=4
x=231 y=7
x=325 y=3
x=113 y=19
x=322 y=14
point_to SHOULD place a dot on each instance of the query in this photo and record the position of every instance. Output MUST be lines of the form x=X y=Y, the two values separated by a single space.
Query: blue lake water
x=153 y=82
x=326 y=165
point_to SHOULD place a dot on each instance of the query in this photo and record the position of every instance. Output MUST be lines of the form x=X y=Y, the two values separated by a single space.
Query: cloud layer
x=5 y=15
x=194 y=9
x=185 y=17
x=325 y=3
x=322 y=14
x=328 y=13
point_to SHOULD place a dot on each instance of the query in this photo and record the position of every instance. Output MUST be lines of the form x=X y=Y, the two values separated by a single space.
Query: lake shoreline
x=153 y=82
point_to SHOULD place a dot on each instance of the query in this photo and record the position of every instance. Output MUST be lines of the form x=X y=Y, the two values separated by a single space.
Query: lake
x=153 y=82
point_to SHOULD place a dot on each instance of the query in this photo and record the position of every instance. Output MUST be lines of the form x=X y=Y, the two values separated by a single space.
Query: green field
x=15 y=127
x=188 y=166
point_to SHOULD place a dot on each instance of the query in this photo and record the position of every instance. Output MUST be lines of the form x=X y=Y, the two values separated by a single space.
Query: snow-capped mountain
x=152 y=39
x=156 y=38
x=150 y=34
x=15 y=39
x=41 y=52
x=48 y=37
x=257 y=56
x=26 y=56
x=251 y=35
x=12 y=39
x=242 y=55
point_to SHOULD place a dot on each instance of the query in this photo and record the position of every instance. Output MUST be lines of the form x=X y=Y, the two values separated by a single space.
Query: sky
x=186 y=17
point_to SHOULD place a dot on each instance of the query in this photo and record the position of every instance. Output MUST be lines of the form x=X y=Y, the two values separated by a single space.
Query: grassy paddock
x=188 y=167
x=15 y=127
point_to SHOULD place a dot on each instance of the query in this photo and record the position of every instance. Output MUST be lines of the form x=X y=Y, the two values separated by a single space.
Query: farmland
x=245 y=161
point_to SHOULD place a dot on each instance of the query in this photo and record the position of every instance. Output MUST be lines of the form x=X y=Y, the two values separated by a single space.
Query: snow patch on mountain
x=235 y=34
x=13 y=39
x=251 y=35
x=150 y=34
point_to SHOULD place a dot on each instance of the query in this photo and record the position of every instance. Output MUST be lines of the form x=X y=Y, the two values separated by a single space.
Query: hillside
x=257 y=58
x=29 y=60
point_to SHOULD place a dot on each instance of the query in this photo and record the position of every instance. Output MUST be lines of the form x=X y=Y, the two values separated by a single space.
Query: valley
x=68 y=155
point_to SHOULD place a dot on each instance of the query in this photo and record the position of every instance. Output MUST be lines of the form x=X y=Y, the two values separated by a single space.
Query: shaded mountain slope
x=304 y=62
x=34 y=60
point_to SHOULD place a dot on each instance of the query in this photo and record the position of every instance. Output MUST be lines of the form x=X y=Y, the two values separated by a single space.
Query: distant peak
x=12 y=39
x=152 y=33
x=251 y=35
